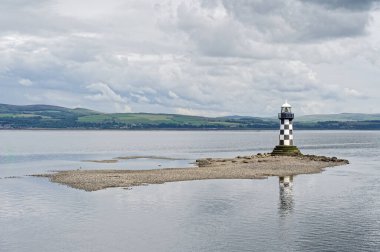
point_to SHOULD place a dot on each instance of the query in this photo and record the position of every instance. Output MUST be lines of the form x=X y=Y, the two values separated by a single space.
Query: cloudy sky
x=201 y=57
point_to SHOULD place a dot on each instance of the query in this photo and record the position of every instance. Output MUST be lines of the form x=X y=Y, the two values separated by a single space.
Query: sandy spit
x=248 y=167
x=115 y=160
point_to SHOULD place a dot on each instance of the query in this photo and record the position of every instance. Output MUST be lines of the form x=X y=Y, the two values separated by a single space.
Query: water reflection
x=286 y=195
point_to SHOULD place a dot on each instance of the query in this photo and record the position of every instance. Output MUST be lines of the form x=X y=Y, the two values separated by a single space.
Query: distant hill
x=42 y=109
x=339 y=117
x=55 y=117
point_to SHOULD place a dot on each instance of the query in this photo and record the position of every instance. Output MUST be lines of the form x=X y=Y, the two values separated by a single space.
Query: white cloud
x=172 y=95
x=353 y=93
x=103 y=93
x=25 y=82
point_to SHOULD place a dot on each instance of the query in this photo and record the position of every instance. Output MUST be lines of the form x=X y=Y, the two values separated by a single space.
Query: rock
x=203 y=162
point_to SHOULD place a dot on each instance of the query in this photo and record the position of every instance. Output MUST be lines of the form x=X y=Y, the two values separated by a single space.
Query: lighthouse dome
x=286 y=105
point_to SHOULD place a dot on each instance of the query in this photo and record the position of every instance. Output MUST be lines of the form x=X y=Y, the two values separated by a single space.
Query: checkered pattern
x=286 y=132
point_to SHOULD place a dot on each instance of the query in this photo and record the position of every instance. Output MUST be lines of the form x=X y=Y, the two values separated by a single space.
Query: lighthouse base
x=286 y=150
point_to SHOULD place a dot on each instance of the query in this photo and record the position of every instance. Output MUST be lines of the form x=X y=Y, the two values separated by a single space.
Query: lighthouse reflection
x=286 y=195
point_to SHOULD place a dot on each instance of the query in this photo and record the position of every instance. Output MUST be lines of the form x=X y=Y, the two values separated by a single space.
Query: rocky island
x=242 y=167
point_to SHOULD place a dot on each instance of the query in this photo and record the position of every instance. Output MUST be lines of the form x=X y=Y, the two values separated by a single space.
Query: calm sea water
x=337 y=210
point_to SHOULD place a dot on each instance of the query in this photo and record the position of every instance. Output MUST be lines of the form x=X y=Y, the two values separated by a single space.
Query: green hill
x=42 y=110
x=55 y=117
x=344 y=117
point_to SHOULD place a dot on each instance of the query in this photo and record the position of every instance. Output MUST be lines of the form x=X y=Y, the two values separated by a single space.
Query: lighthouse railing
x=285 y=116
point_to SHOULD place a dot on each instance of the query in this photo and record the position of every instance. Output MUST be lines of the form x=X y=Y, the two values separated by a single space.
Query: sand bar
x=115 y=160
x=106 y=161
x=248 y=167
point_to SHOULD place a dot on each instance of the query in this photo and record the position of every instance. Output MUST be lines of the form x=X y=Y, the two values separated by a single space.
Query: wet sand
x=248 y=167
x=147 y=157
x=116 y=159
x=106 y=161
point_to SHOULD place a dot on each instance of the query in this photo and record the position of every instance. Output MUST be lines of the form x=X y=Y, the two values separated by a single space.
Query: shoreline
x=248 y=167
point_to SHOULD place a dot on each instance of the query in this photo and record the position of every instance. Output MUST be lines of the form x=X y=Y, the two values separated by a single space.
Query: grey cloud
x=11 y=5
x=353 y=5
x=203 y=57
x=295 y=21
x=33 y=18
x=265 y=29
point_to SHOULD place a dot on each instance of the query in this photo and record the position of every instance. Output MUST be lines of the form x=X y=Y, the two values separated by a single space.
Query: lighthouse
x=285 y=146
x=286 y=126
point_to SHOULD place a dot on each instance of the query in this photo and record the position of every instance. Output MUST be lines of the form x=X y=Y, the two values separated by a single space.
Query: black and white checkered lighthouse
x=286 y=127
x=286 y=146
